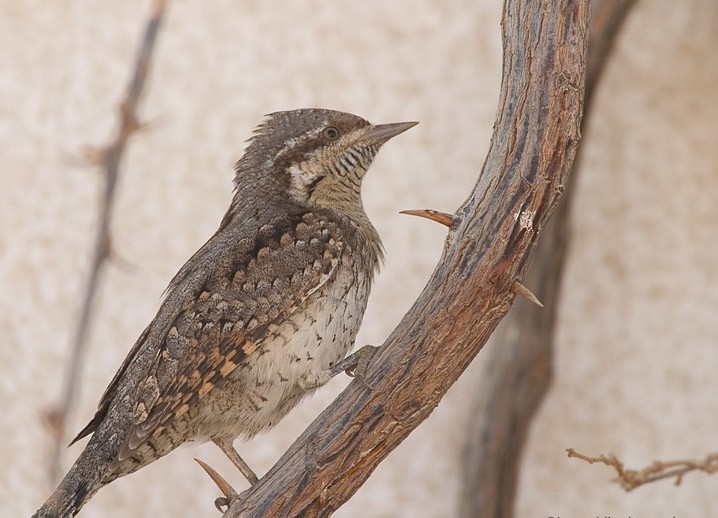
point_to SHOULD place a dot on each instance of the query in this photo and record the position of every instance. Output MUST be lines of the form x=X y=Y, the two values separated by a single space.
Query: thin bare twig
x=110 y=158
x=630 y=479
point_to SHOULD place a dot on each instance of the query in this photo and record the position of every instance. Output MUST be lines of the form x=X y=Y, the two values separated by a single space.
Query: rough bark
x=489 y=244
x=518 y=363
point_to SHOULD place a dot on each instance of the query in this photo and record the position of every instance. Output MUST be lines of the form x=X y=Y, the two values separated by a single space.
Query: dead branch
x=630 y=479
x=492 y=234
x=518 y=370
x=109 y=158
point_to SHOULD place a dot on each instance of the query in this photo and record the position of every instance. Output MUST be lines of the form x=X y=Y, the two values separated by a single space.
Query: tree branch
x=530 y=156
x=518 y=370
x=630 y=479
x=109 y=158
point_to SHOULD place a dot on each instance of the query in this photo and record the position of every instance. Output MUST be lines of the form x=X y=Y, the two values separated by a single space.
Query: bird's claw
x=356 y=364
x=221 y=503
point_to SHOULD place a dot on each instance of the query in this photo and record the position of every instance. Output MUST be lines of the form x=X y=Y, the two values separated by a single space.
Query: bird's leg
x=355 y=364
x=228 y=449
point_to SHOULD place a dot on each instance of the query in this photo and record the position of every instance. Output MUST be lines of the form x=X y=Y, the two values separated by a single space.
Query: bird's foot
x=356 y=364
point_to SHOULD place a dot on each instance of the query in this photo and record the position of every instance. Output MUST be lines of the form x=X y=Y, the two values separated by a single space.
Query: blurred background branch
x=630 y=479
x=518 y=362
x=109 y=158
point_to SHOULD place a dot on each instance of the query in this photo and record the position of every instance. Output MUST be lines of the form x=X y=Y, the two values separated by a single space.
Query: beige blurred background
x=635 y=372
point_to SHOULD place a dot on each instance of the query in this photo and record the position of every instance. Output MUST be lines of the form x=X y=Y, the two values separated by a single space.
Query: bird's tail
x=84 y=479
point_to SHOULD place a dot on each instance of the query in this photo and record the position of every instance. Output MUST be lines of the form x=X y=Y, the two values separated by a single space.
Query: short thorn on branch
x=93 y=156
x=520 y=289
x=630 y=479
x=120 y=261
x=224 y=486
x=130 y=123
x=434 y=215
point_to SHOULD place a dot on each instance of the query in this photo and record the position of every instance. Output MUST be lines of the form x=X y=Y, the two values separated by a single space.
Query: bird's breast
x=311 y=340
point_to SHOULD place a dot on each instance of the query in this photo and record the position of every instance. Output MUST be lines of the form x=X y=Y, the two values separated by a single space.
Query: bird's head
x=312 y=157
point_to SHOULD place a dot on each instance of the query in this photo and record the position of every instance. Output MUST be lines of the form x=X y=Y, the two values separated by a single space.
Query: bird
x=262 y=315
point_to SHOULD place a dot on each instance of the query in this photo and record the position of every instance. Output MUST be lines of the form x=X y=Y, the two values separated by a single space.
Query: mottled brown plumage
x=258 y=317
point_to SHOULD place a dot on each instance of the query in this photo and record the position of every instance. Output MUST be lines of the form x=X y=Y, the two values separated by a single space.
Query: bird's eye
x=331 y=133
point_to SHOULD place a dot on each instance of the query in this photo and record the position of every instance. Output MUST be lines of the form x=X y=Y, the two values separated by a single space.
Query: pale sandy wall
x=637 y=356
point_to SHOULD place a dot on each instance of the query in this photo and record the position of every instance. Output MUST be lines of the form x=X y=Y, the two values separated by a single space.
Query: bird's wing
x=231 y=318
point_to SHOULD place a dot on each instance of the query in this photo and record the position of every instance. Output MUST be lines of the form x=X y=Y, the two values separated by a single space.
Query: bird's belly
x=317 y=335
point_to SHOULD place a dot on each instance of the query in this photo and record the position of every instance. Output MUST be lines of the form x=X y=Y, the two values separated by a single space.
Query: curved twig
x=630 y=479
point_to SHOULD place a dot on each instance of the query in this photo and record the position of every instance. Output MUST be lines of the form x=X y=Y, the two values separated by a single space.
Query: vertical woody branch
x=488 y=247
x=109 y=158
x=518 y=364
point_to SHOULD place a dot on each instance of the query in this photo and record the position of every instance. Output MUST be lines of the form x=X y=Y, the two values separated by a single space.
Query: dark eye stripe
x=313 y=184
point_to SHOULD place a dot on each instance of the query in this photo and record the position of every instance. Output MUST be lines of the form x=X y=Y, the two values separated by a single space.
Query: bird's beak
x=382 y=132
